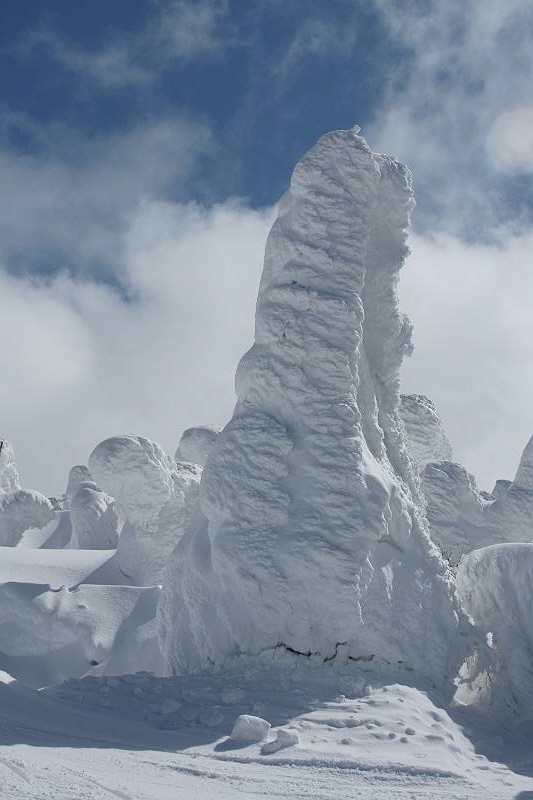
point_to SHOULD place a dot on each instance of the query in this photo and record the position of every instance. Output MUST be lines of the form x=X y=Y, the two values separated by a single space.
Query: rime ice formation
x=461 y=518
x=307 y=536
x=9 y=477
x=495 y=587
x=196 y=444
x=455 y=509
x=77 y=475
x=426 y=439
x=155 y=497
x=21 y=510
x=94 y=520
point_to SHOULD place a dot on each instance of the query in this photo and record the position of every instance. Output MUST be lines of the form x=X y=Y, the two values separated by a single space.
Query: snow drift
x=308 y=535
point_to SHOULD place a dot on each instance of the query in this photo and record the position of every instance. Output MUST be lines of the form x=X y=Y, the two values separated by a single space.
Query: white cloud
x=71 y=201
x=471 y=309
x=510 y=140
x=86 y=363
x=466 y=64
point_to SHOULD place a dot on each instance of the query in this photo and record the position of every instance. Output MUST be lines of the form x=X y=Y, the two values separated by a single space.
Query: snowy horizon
x=142 y=155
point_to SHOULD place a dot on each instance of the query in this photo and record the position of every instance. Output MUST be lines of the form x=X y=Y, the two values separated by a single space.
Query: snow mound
x=21 y=510
x=426 y=438
x=495 y=587
x=196 y=444
x=248 y=728
x=155 y=497
x=9 y=477
x=94 y=520
x=308 y=535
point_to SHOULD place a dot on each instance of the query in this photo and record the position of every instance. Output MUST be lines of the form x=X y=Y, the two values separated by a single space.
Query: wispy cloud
x=68 y=203
x=176 y=31
x=463 y=65
x=316 y=38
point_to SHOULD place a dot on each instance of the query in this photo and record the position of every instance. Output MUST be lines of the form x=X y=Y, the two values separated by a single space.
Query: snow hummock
x=153 y=494
x=196 y=444
x=426 y=438
x=248 y=728
x=309 y=535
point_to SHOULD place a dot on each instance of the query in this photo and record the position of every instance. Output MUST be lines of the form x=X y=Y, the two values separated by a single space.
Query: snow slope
x=143 y=738
x=308 y=534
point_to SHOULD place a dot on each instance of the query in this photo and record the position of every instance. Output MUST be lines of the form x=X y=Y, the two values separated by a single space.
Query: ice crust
x=308 y=534
x=153 y=494
x=426 y=438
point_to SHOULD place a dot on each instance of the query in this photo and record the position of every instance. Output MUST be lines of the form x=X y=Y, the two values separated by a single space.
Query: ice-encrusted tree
x=308 y=534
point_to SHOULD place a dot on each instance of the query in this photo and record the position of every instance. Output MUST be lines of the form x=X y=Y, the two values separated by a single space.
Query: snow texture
x=153 y=494
x=196 y=444
x=495 y=587
x=426 y=438
x=308 y=534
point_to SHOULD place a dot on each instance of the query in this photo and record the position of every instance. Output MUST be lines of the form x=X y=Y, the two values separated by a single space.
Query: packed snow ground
x=143 y=738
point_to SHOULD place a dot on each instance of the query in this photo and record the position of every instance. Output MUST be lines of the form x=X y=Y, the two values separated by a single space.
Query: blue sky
x=142 y=148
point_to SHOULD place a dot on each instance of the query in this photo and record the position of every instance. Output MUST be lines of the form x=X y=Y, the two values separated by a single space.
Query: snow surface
x=308 y=534
x=101 y=738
